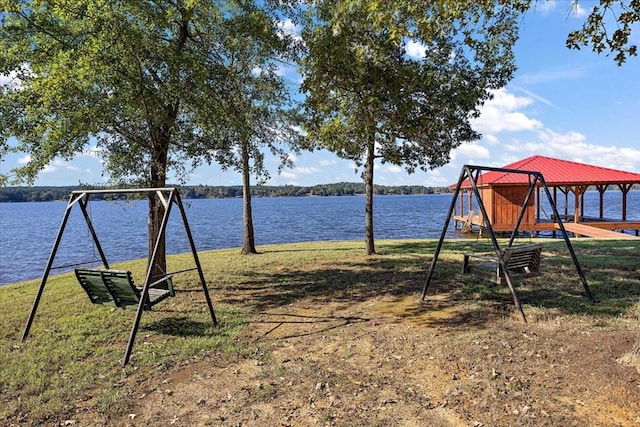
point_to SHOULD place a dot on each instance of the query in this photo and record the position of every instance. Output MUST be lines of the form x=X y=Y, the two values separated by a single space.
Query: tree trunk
x=157 y=178
x=367 y=176
x=248 y=240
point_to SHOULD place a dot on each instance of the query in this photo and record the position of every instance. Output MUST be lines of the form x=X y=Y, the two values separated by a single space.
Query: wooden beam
x=594 y=232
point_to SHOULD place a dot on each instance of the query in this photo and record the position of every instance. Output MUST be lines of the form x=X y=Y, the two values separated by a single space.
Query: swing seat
x=117 y=287
x=519 y=260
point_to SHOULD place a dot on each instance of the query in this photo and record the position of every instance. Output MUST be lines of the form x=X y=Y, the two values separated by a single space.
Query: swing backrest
x=523 y=259
x=117 y=287
x=121 y=285
x=93 y=284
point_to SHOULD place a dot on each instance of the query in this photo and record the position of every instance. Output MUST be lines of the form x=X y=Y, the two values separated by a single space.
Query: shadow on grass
x=179 y=327
x=277 y=320
x=399 y=271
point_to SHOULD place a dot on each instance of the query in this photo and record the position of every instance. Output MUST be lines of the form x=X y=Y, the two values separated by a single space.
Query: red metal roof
x=557 y=172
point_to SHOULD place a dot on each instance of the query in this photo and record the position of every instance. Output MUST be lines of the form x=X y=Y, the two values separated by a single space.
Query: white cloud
x=572 y=8
x=297 y=171
x=57 y=164
x=546 y=6
x=288 y=174
x=289 y=28
x=92 y=151
x=289 y=71
x=574 y=146
x=470 y=151
x=306 y=170
x=415 y=49
x=5 y=80
x=577 y=11
x=435 y=178
x=548 y=75
x=491 y=139
x=49 y=168
x=24 y=160
x=395 y=169
x=522 y=136
x=504 y=99
x=327 y=162
x=12 y=80
x=500 y=114
x=571 y=145
x=535 y=96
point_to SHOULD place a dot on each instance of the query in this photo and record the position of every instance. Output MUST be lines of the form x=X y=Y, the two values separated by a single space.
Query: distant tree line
x=47 y=194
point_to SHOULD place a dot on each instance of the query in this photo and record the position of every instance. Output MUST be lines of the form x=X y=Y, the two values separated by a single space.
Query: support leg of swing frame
x=574 y=257
x=196 y=258
x=174 y=197
x=434 y=260
x=47 y=269
x=147 y=281
x=498 y=252
x=514 y=295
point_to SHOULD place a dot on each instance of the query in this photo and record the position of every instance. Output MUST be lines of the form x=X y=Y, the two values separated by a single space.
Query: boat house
x=503 y=195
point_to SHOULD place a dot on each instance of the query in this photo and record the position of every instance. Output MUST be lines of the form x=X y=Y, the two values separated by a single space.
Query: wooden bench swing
x=511 y=261
x=520 y=261
x=116 y=287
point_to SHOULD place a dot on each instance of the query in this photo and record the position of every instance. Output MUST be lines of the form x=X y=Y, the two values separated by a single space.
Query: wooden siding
x=506 y=204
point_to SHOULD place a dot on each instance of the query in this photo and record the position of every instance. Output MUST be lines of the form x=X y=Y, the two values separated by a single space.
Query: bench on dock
x=519 y=260
x=117 y=287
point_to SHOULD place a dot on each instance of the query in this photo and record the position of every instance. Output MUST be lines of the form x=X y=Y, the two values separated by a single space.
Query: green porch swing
x=116 y=287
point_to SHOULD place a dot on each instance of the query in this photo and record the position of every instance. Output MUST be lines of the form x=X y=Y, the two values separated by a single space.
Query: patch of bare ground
x=394 y=361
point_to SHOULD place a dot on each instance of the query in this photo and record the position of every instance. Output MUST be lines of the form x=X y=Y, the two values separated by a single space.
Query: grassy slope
x=72 y=357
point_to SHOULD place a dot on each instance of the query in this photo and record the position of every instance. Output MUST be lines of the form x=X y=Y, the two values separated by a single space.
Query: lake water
x=28 y=230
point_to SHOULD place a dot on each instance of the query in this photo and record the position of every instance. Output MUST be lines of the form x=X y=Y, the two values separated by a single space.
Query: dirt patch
x=393 y=361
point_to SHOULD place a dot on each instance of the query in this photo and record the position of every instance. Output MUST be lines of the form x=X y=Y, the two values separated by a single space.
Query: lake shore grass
x=71 y=361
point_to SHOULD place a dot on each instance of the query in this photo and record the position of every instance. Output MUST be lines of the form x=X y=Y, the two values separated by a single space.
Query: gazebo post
x=625 y=190
x=576 y=205
x=601 y=190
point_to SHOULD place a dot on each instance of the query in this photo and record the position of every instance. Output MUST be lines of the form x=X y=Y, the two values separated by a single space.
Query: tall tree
x=369 y=97
x=259 y=117
x=140 y=77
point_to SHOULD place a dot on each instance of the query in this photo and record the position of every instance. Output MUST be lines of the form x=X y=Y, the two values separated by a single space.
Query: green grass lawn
x=73 y=354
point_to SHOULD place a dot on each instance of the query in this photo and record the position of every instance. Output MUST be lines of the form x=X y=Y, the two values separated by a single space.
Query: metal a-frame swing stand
x=535 y=178
x=168 y=197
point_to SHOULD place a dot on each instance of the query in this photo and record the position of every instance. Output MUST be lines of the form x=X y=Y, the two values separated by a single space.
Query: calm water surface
x=28 y=230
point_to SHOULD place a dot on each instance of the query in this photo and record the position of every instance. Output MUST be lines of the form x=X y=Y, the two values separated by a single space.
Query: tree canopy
x=368 y=96
x=141 y=78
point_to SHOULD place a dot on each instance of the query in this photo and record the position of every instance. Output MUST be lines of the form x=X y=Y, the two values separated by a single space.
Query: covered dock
x=503 y=195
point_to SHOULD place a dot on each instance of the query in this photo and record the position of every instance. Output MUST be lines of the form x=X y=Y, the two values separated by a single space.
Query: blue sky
x=573 y=105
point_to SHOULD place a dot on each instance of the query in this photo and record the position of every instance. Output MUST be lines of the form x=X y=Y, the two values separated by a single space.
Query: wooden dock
x=597 y=229
x=594 y=232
